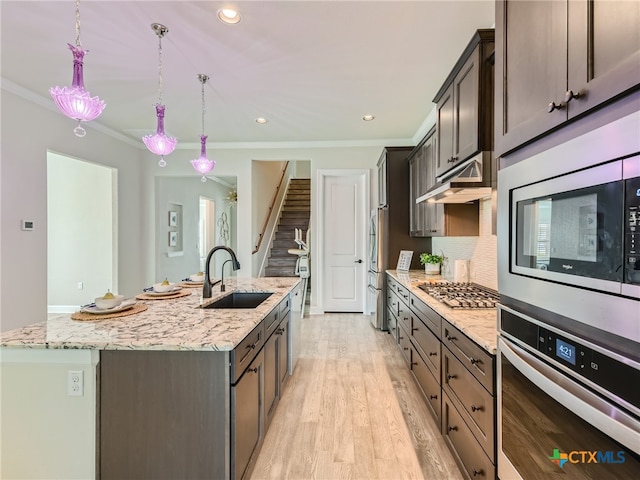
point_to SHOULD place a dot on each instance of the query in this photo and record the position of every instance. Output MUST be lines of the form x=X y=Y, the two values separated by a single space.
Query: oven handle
x=603 y=415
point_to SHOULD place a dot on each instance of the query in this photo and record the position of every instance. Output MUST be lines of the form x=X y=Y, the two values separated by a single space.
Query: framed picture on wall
x=173 y=239
x=173 y=218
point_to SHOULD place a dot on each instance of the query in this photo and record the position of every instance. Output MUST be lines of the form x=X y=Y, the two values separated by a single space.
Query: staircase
x=295 y=214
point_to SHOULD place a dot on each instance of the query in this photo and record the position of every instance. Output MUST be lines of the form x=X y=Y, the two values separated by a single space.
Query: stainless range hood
x=469 y=181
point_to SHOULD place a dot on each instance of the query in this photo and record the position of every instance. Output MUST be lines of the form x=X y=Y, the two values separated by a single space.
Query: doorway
x=343 y=239
x=81 y=232
x=207 y=233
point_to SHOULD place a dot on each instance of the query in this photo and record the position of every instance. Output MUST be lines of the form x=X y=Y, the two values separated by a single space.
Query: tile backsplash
x=481 y=251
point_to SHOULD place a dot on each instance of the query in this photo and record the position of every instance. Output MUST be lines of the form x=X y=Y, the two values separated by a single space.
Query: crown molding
x=47 y=103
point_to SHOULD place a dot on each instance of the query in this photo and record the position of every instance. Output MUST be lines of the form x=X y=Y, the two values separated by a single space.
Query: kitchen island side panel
x=164 y=415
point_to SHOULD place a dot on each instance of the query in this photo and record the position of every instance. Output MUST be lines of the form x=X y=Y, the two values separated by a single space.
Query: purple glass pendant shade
x=76 y=102
x=203 y=165
x=159 y=143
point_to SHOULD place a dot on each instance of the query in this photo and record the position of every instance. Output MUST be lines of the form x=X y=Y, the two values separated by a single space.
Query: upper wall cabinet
x=464 y=110
x=556 y=60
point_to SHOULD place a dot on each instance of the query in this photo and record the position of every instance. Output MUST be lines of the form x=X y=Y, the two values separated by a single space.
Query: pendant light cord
x=160 y=69
x=78 y=44
x=203 y=107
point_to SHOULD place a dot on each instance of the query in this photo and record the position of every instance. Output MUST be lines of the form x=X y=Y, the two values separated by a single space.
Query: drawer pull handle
x=450 y=377
x=570 y=95
x=450 y=338
x=433 y=397
x=405 y=348
x=475 y=409
x=474 y=360
x=254 y=370
x=477 y=472
x=452 y=428
x=554 y=106
x=433 y=354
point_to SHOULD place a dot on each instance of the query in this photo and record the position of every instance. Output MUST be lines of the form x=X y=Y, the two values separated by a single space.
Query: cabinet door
x=283 y=353
x=531 y=69
x=604 y=51
x=246 y=417
x=382 y=182
x=444 y=127
x=466 y=93
x=416 y=227
x=271 y=378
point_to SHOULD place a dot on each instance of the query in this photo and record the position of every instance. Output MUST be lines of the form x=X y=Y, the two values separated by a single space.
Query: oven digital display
x=566 y=351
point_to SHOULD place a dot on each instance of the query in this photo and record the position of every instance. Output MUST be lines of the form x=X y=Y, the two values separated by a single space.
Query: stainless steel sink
x=240 y=300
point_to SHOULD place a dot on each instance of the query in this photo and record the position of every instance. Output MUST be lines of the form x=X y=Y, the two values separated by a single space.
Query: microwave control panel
x=632 y=231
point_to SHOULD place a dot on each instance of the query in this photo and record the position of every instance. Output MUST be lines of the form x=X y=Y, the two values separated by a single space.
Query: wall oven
x=568 y=407
x=569 y=229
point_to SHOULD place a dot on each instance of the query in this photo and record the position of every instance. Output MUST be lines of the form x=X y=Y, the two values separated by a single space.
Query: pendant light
x=76 y=102
x=203 y=165
x=159 y=143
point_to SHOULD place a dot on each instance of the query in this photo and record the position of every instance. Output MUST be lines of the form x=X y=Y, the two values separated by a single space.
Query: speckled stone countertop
x=175 y=324
x=480 y=325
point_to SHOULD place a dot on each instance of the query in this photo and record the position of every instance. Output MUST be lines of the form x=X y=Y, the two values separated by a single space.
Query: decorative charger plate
x=169 y=296
x=173 y=291
x=131 y=310
x=104 y=311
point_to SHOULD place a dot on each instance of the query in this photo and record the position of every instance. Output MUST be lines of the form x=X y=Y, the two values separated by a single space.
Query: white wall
x=28 y=132
x=186 y=191
x=44 y=432
x=80 y=232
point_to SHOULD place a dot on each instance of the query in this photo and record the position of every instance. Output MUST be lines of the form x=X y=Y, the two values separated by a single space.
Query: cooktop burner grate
x=462 y=295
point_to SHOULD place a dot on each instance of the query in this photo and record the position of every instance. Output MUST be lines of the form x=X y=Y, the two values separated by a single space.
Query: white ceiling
x=313 y=68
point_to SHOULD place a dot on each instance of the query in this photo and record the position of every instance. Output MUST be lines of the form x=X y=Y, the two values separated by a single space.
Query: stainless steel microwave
x=581 y=228
x=569 y=230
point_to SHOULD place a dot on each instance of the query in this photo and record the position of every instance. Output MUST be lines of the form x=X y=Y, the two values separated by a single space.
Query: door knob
x=358 y=261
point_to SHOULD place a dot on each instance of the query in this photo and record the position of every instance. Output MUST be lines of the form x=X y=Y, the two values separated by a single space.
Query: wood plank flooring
x=351 y=410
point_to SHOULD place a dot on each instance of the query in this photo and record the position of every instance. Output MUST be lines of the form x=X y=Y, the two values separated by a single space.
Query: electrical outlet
x=75 y=383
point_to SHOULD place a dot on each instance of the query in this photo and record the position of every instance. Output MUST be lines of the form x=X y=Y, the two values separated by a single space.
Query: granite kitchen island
x=176 y=391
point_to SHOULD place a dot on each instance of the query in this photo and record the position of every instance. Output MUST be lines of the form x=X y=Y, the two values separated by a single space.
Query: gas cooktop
x=462 y=295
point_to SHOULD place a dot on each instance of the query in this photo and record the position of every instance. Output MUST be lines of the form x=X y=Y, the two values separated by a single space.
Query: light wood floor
x=352 y=410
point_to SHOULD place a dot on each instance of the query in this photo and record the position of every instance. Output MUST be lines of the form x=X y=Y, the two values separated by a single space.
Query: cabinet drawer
x=392 y=326
x=466 y=449
x=271 y=321
x=392 y=301
x=404 y=316
x=403 y=294
x=476 y=405
x=405 y=344
x=428 y=316
x=243 y=354
x=429 y=385
x=285 y=306
x=473 y=357
x=427 y=344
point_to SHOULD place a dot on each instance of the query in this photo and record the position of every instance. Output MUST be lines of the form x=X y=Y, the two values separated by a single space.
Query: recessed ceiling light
x=261 y=120
x=229 y=15
x=368 y=118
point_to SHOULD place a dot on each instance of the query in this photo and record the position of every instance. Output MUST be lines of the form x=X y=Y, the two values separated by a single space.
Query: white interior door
x=344 y=240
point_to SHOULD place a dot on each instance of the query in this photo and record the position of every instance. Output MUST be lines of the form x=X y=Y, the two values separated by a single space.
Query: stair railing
x=270 y=211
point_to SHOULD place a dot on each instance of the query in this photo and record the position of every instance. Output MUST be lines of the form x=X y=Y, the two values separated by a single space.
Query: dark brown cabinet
x=456 y=377
x=464 y=105
x=435 y=219
x=557 y=60
x=246 y=417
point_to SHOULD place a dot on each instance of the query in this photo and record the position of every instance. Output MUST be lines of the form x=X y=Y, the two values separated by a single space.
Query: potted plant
x=431 y=263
